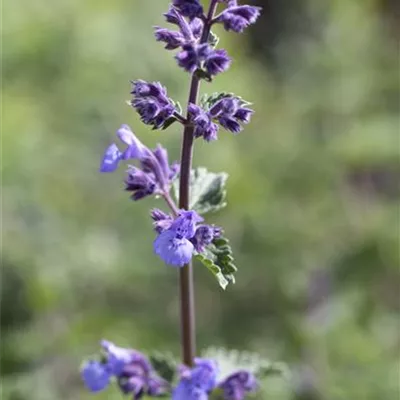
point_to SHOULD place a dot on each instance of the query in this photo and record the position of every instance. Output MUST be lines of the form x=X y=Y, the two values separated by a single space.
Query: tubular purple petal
x=111 y=159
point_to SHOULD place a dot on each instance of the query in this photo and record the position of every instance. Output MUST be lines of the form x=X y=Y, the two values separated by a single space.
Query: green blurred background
x=313 y=196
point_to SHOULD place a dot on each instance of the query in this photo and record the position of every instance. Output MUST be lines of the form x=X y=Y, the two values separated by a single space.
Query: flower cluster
x=179 y=238
x=154 y=175
x=195 y=53
x=200 y=381
x=151 y=102
x=237 y=18
x=129 y=368
x=229 y=111
x=134 y=374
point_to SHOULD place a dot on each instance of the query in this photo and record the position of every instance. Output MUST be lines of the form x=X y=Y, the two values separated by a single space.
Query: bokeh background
x=313 y=196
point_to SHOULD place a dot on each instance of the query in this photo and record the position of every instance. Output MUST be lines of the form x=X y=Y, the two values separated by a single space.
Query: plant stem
x=188 y=336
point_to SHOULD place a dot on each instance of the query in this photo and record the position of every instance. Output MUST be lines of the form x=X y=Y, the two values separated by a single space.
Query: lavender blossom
x=173 y=245
x=131 y=368
x=238 y=385
x=112 y=155
x=202 y=121
x=151 y=102
x=230 y=112
x=155 y=174
x=95 y=375
x=179 y=238
x=198 y=382
x=189 y=8
x=237 y=18
x=195 y=56
x=204 y=236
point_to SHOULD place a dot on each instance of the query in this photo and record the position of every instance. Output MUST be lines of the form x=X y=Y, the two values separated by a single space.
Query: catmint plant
x=181 y=231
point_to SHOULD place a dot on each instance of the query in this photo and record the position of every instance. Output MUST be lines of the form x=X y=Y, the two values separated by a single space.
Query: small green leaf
x=230 y=361
x=168 y=123
x=201 y=74
x=207 y=190
x=213 y=39
x=207 y=101
x=218 y=258
x=165 y=365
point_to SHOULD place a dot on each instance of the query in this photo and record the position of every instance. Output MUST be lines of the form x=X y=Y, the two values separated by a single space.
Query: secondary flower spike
x=179 y=238
x=131 y=369
x=154 y=176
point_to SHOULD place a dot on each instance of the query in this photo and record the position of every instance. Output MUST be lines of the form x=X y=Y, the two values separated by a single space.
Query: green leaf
x=218 y=258
x=167 y=123
x=230 y=361
x=207 y=101
x=202 y=74
x=207 y=190
x=213 y=39
x=165 y=365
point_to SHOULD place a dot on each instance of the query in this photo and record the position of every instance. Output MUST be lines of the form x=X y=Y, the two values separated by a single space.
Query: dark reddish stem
x=188 y=335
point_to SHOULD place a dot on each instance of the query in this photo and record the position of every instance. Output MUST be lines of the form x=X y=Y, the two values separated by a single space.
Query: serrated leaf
x=207 y=190
x=230 y=361
x=218 y=258
x=207 y=101
x=213 y=39
x=165 y=365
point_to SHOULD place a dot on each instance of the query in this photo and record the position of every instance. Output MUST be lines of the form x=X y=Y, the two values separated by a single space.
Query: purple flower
x=189 y=8
x=141 y=183
x=117 y=357
x=155 y=174
x=112 y=155
x=217 y=61
x=173 y=244
x=95 y=375
x=194 y=56
x=172 y=39
x=204 y=236
x=198 y=382
x=203 y=125
x=162 y=221
x=173 y=250
x=151 y=102
x=238 y=385
x=237 y=18
x=229 y=112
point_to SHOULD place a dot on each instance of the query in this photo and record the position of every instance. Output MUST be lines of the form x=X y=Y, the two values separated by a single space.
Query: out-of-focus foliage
x=312 y=209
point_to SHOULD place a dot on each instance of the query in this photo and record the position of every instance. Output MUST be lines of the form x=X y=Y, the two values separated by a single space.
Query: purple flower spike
x=237 y=18
x=95 y=375
x=238 y=385
x=189 y=8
